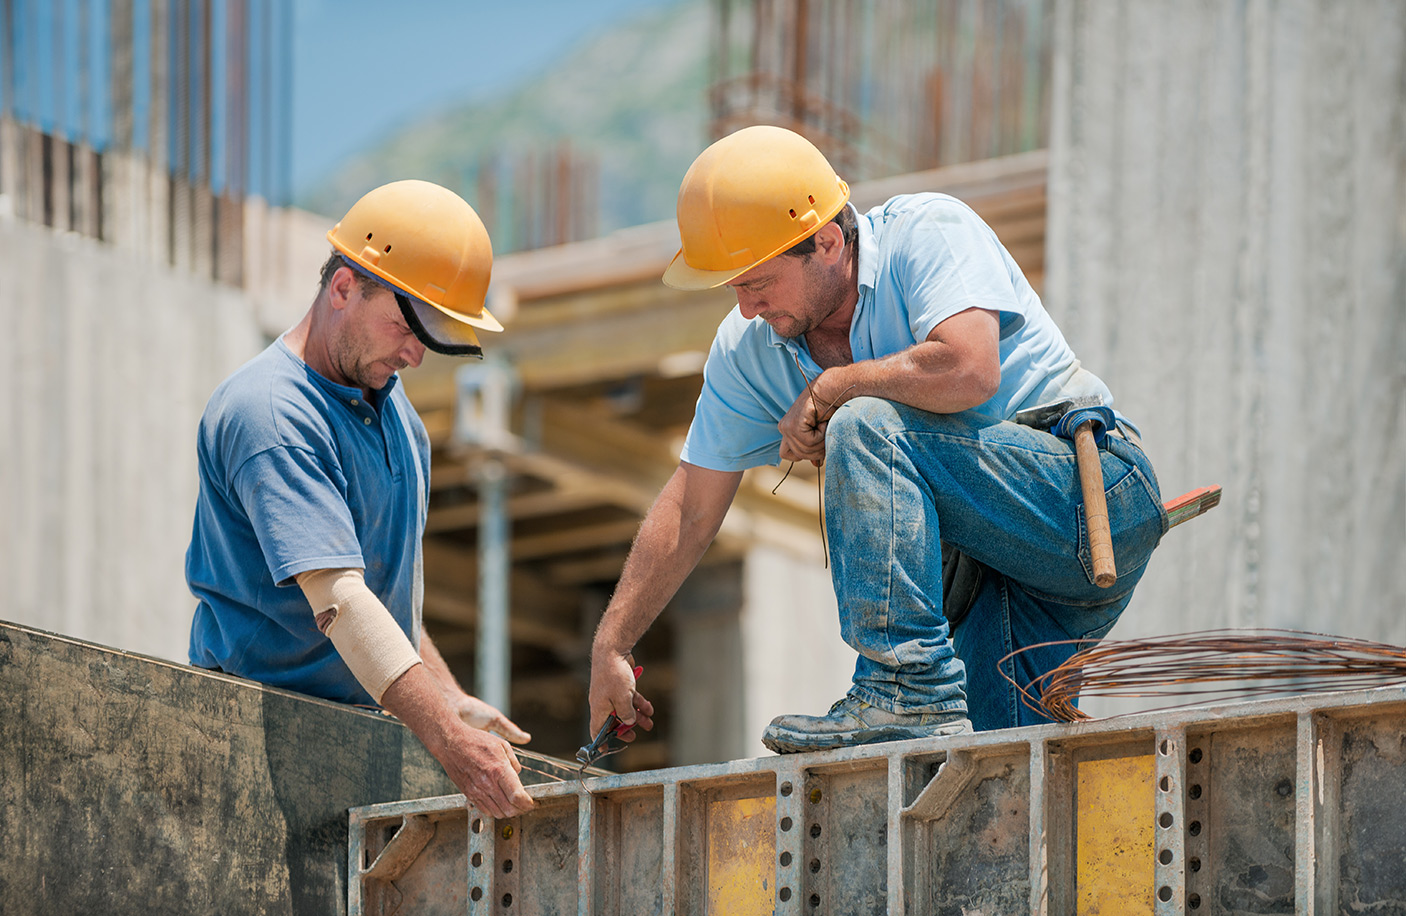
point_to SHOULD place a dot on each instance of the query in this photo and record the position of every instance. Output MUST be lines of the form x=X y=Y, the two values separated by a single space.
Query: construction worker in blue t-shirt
x=314 y=488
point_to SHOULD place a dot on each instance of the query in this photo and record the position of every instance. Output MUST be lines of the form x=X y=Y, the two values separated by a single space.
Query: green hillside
x=632 y=99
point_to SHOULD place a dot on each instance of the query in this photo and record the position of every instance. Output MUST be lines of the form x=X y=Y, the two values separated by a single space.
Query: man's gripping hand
x=613 y=690
x=484 y=767
x=803 y=431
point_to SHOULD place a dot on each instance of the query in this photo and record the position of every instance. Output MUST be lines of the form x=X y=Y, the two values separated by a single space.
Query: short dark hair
x=367 y=283
x=849 y=227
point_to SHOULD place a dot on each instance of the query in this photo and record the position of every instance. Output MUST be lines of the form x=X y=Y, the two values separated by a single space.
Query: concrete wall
x=1227 y=249
x=130 y=785
x=109 y=359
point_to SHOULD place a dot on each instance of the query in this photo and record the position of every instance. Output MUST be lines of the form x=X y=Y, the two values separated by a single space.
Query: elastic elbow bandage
x=362 y=630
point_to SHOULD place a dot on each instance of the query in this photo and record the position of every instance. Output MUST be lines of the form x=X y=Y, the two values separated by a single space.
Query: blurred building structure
x=1224 y=191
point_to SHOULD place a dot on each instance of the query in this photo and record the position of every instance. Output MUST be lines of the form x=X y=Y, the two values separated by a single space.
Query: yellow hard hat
x=430 y=247
x=747 y=198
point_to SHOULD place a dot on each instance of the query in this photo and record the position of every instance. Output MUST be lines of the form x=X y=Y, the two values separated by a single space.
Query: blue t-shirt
x=922 y=259
x=299 y=473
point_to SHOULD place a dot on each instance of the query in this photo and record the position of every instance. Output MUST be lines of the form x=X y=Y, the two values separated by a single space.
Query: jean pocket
x=1137 y=522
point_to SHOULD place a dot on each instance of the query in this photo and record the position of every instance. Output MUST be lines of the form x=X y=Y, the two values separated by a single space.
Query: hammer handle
x=1095 y=506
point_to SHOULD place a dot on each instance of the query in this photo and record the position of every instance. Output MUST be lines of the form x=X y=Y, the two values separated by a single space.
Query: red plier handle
x=600 y=744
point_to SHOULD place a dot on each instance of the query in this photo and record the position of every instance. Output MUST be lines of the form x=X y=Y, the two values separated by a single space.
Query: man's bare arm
x=677 y=530
x=480 y=764
x=380 y=656
x=956 y=368
x=468 y=707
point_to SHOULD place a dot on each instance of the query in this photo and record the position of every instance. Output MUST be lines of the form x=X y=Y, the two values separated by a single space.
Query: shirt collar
x=868 y=270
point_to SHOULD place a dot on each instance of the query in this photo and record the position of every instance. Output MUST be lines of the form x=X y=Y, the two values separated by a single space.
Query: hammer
x=1085 y=420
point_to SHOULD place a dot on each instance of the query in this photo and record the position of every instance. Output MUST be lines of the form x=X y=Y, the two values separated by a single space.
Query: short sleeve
x=735 y=422
x=947 y=261
x=298 y=509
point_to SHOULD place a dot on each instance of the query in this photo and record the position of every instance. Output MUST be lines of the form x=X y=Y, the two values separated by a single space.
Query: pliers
x=600 y=746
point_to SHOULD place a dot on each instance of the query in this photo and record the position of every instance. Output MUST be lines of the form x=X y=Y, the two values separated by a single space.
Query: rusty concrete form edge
x=1311 y=718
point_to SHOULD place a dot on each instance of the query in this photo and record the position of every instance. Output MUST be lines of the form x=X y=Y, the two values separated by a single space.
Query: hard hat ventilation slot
x=793 y=214
x=388 y=249
x=368 y=236
x=811 y=198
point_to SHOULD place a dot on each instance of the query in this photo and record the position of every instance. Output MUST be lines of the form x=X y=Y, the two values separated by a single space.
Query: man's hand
x=482 y=765
x=480 y=715
x=613 y=690
x=485 y=769
x=803 y=431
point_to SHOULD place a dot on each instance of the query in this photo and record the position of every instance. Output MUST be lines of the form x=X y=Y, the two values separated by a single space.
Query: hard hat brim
x=679 y=275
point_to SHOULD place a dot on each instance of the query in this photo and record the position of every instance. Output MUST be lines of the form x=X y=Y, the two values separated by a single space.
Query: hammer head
x=1047 y=415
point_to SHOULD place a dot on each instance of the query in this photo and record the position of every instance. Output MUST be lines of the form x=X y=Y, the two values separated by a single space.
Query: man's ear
x=830 y=243
x=341 y=287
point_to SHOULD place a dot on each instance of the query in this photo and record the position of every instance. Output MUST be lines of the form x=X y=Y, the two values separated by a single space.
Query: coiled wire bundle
x=1210 y=666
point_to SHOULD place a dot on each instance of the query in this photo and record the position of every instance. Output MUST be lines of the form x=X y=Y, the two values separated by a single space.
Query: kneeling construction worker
x=895 y=346
x=314 y=488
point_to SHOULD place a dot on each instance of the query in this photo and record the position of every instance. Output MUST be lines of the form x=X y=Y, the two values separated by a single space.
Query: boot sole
x=788 y=742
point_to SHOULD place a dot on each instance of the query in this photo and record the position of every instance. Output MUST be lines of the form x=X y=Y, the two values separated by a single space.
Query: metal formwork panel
x=1268 y=807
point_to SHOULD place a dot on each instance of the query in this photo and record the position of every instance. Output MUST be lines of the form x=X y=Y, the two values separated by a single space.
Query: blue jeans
x=899 y=480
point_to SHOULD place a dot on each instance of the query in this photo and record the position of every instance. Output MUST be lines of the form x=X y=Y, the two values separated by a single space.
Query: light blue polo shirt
x=299 y=473
x=922 y=259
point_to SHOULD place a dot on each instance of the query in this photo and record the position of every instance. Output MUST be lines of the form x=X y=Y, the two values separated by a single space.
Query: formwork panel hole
x=1165 y=857
x=476 y=894
x=1195 y=755
x=1195 y=791
x=507 y=865
x=815 y=830
x=1165 y=747
x=1166 y=819
x=507 y=831
x=785 y=824
x=815 y=900
x=786 y=789
x=1194 y=901
x=1193 y=863
x=507 y=900
x=815 y=866
x=476 y=860
x=1164 y=893
x=1194 y=829
x=1285 y=788
x=1166 y=783
x=785 y=894
x=785 y=860
x=477 y=825
x=815 y=796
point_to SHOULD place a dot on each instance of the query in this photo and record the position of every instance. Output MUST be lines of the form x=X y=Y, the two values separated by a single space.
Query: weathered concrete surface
x=109 y=360
x=1227 y=249
x=132 y=785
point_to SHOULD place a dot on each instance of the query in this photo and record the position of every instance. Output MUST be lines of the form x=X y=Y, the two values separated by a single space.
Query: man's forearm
x=438 y=668
x=955 y=369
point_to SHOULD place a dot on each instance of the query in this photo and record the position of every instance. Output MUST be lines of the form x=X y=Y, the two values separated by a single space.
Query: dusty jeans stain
x=900 y=480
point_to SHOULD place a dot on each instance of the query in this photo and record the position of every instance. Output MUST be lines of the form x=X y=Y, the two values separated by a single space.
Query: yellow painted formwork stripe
x=1114 y=827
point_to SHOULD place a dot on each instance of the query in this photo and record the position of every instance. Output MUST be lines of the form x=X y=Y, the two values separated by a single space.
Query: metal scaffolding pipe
x=493 y=658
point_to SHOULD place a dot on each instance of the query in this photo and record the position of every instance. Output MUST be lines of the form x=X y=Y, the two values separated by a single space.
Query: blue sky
x=363 y=68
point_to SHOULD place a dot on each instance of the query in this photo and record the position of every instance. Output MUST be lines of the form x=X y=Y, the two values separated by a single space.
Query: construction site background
x=1222 y=216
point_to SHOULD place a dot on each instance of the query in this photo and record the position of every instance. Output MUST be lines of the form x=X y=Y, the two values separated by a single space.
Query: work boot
x=852 y=721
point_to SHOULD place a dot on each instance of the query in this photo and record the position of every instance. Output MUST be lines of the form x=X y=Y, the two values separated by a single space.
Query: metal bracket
x=952 y=777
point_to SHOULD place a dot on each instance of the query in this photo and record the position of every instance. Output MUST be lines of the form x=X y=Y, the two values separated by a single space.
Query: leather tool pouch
x=961 y=581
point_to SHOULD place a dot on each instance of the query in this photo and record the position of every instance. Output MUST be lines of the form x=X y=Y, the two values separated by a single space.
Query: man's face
x=373 y=341
x=792 y=294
